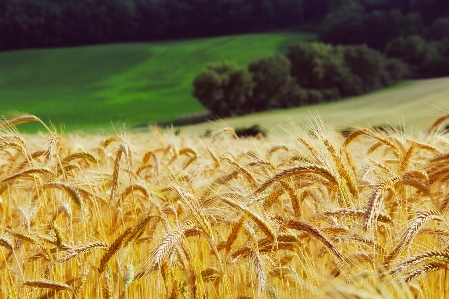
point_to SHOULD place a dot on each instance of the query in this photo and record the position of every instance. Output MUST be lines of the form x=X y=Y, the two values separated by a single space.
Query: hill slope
x=90 y=87
x=413 y=104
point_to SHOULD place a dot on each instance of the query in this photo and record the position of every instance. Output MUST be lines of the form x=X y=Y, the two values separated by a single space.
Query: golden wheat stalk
x=108 y=288
x=224 y=130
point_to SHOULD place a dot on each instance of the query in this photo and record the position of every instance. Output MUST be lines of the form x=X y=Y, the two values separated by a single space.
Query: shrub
x=413 y=50
x=223 y=88
x=271 y=78
x=253 y=131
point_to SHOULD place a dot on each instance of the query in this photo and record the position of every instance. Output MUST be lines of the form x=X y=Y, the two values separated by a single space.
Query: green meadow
x=97 y=87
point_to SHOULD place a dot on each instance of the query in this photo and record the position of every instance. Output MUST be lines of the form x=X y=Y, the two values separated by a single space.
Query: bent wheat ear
x=27 y=172
x=111 y=140
x=165 y=249
x=427 y=268
x=5 y=242
x=45 y=284
x=224 y=130
x=234 y=232
x=261 y=223
x=73 y=193
x=435 y=255
x=374 y=202
x=81 y=155
x=12 y=141
x=299 y=225
x=437 y=123
x=243 y=171
x=293 y=197
x=82 y=249
x=412 y=231
x=114 y=248
x=19 y=120
x=315 y=169
x=123 y=149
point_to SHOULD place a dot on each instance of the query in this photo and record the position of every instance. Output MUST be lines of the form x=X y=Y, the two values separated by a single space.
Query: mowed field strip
x=87 y=88
x=411 y=104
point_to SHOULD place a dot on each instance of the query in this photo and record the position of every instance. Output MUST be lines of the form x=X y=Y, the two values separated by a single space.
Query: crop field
x=310 y=215
x=410 y=105
x=88 y=88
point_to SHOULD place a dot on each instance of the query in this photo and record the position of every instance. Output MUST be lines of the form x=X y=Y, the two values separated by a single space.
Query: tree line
x=309 y=73
x=56 y=23
x=416 y=32
x=363 y=45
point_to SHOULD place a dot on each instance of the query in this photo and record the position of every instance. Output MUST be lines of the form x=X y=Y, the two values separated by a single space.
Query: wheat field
x=159 y=215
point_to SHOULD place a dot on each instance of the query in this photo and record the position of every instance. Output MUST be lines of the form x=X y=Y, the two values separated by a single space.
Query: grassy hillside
x=412 y=104
x=90 y=87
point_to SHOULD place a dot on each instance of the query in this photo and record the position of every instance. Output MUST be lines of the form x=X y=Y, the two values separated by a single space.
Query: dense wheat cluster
x=316 y=215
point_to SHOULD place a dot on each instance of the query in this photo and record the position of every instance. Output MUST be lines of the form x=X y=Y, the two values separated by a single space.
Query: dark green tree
x=224 y=89
x=316 y=65
x=439 y=29
x=271 y=78
x=413 y=50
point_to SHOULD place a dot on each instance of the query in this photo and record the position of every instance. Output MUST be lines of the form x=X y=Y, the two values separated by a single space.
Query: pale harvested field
x=309 y=215
x=412 y=104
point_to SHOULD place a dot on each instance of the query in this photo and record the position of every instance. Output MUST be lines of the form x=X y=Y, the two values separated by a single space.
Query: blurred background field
x=410 y=105
x=88 y=88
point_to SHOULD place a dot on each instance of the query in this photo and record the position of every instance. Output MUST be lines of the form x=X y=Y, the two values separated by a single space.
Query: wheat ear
x=261 y=223
x=19 y=120
x=427 y=268
x=293 y=197
x=234 y=232
x=297 y=171
x=243 y=171
x=165 y=249
x=412 y=231
x=45 y=284
x=302 y=226
x=435 y=255
x=114 y=248
x=82 y=249
x=71 y=191
x=80 y=155
x=27 y=172
x=437 y=123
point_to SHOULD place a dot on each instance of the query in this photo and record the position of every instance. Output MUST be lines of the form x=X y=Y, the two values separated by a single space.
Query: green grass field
x=413 y=105
x=88 y=88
